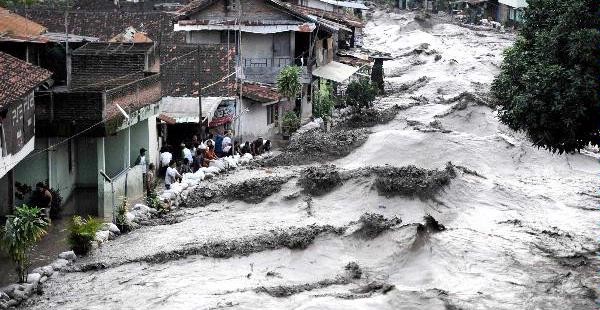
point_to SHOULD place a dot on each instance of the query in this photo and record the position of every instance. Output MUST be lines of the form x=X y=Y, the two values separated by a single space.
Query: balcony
x=62 y=112
x=265 y=70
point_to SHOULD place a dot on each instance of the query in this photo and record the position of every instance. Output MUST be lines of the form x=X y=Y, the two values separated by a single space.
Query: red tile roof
x=193 y=7
x=260 y=92
x=17 y=78
x=14 y=27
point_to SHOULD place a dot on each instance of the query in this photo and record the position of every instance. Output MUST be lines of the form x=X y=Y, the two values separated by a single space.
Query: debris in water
x=369 y=117
x=318 y=180
x=412 y=181
x=375 y=286
x=289 y=290
x=251 y=191
x=424 y=231
x=317 y=145
x=354 y=270
x=372 y=225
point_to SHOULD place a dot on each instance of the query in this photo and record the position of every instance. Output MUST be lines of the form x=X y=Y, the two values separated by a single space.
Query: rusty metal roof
x=260 y=92
x=17 y=78
x=14 y=27
x=340 y=18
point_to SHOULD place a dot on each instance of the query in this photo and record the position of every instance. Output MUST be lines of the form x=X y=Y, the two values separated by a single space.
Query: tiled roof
x=14 y=27
x=193 y=7
x=17 y=78
x=260 y=92
x=131 y=35
x=340 y=18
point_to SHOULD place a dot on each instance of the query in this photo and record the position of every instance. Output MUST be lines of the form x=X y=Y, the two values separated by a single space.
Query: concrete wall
x=317 y=4
x=115 y=149
x=4 y=195
x=87 y=172
x=255 y=45
x=254 y=122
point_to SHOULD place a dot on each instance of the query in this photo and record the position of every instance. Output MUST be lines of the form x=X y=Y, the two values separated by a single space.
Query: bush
x=548 y=85
x=82 y=232
x=121 y=219
x=288 y=82
x=290 y=122
x=153 y=201
x=22 y=231
x=361 y=94
x=323 y=102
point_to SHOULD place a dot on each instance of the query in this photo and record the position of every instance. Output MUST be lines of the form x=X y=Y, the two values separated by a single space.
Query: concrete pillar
x=102 y=212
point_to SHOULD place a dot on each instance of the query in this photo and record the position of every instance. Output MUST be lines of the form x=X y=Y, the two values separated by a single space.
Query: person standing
x=186 y=153
x=165 y=160
x=171 y=175
x=42 y=198
x=198 y=158
x=150 y=180
x=227 y=145
x=219 y=144
x=142 y=161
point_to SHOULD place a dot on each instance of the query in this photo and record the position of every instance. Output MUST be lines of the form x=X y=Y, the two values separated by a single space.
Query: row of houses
x=503 y=11
x=84 y=102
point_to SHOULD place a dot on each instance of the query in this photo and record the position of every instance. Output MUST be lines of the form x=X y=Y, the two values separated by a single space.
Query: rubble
x=250 y=191
x=318 y=180
x=412 y=181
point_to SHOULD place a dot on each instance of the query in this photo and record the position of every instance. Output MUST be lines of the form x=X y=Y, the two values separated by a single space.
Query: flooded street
x=520 y=222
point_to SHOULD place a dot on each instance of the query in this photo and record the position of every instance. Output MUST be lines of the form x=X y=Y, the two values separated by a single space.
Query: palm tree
x=22 y=231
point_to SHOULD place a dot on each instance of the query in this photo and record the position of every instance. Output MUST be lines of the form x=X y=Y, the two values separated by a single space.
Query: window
x=271 y=114
x=228 y=35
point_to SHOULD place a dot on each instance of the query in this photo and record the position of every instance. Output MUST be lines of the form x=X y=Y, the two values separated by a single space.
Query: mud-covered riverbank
x=392 y=226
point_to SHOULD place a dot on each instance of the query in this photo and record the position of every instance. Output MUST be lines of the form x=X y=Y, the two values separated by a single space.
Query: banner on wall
x=224 y=113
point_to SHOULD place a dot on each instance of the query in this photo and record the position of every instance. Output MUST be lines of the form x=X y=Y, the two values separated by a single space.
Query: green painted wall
x=87 y=172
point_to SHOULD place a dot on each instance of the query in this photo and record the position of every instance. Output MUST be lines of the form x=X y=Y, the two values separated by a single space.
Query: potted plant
x=290 y=123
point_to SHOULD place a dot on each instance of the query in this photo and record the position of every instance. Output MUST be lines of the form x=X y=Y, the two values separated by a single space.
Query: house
x=511 y=10
x=81 y=131
x=267 y=37
x=18 y=81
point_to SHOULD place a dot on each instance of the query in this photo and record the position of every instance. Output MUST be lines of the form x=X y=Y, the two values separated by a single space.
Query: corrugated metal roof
x=62 y=37
x=347 y=4
x=335 y=71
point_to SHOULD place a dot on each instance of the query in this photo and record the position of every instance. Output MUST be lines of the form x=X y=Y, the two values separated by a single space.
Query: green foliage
x=290 y=122
x=361 y=94
x=153 y=201
x=288 y=82
x=82 y=232
x=323 y=102
x=120 y=219
x=22 y=231
x=548 y=85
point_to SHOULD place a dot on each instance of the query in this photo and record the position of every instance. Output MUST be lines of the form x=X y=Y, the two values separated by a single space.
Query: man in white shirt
x=172 y=175
x=227 y=144
x=141 y=160
x=165 y=160
x=187 y=153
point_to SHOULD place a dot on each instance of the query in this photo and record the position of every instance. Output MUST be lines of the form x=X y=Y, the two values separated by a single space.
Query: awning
x=335 y=71
x=185 y=109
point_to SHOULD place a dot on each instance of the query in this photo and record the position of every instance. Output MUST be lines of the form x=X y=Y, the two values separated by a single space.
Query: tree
x=22 y=231
x=548 y=84
x=288 y=82
x=361 y=94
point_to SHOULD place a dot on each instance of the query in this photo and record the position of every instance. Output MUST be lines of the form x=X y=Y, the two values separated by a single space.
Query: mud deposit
x=369 y=118
x=507 y=226
x=318 y=146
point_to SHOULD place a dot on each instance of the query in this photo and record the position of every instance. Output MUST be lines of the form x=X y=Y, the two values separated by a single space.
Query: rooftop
x=259 y=92
x=17 y=78
x=14 y=27
x=95 y=48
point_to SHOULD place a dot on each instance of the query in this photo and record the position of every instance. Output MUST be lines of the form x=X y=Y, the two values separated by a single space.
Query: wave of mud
x=318 y=180
x=369 y=117
x=412 y=181
x=251 y=191
x=317 y=146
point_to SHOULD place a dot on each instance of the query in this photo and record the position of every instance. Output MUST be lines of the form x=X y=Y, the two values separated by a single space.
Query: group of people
x=195 y=155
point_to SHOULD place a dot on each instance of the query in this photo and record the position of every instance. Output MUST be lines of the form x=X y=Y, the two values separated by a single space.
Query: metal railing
x=265 y=62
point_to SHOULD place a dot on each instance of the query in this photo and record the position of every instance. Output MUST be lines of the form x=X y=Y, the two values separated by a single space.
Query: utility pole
x=199 y=73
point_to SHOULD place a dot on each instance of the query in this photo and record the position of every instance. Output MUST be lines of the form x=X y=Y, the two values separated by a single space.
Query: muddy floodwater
x=520 y=223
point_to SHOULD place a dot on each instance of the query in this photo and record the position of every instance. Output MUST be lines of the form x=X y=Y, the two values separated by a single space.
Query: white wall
x=11 y=160
x=318 y=5
x=4 y=195
x=254 y=122
x=514 y=3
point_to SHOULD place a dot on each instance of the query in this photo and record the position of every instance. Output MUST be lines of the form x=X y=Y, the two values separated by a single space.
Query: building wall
x=255 y=45
x=317 y=4
x=502 y=13
x=204 y=37
x=514 y=3
x=254 y=122
x=4 y=195
x=87 y=172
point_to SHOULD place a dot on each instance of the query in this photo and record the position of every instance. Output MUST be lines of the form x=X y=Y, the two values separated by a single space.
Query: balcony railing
x=265 y=62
